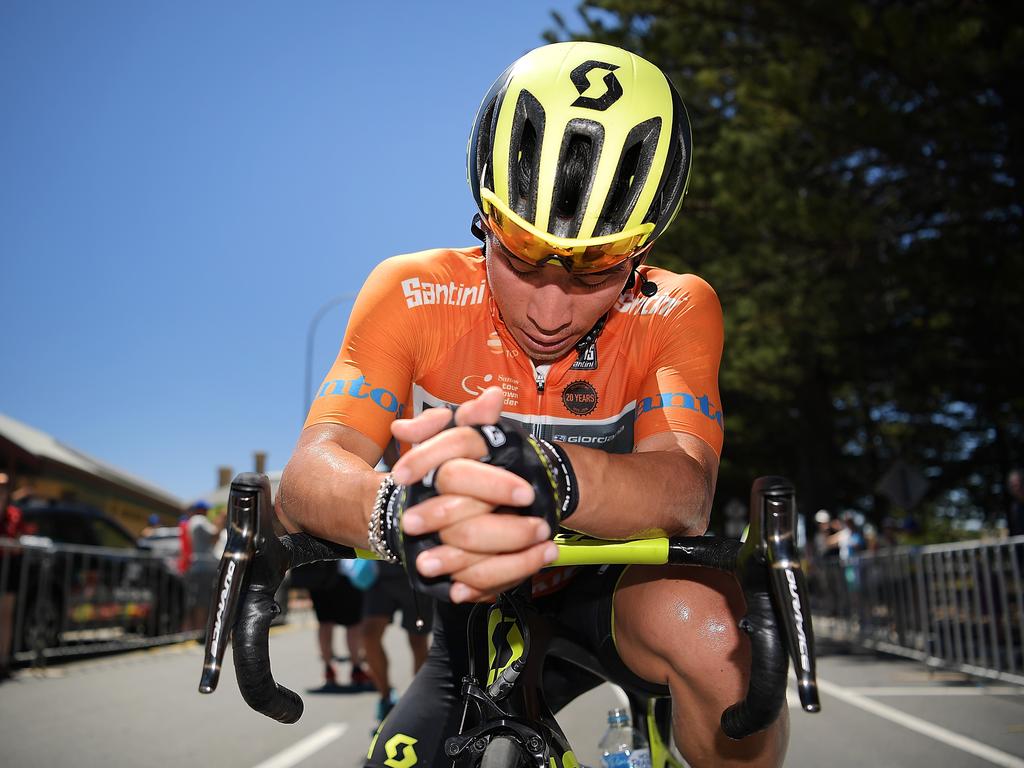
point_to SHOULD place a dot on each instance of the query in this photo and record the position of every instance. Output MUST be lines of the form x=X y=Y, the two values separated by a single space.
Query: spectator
x=335 y=601
x=848 y=539
x=1015 y=513
x=152 y=523
x=822 y=521
x=10 y=567
x=389 y=594
x=202 y=568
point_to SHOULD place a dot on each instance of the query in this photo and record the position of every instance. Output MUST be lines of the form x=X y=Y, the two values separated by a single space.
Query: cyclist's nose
x=550 y=309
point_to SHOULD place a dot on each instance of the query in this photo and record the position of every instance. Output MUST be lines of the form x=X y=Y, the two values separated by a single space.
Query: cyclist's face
x=546 y=309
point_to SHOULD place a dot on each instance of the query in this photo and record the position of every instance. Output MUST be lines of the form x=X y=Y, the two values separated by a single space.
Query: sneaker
x=386 y=704
x=361 y=680
x=330 y=677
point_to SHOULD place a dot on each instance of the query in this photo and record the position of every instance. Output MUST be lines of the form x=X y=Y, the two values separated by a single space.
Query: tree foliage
x=854 y=201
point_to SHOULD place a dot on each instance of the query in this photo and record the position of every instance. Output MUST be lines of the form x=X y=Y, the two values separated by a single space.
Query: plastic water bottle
x=622 y=746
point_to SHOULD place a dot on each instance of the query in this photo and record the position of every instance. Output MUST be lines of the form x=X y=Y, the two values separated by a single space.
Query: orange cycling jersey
x=425 y=332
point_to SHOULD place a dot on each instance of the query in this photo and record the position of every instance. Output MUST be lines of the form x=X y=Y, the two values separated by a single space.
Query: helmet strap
x=647 y=287
x=477 y=228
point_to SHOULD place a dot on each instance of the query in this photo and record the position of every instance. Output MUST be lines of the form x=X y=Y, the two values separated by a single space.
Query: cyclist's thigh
x=430 y=709
x=680 y=626
x=583 y=611
x=675 y=620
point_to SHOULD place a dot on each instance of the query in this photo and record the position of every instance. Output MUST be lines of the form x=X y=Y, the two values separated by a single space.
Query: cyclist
x=584 y=385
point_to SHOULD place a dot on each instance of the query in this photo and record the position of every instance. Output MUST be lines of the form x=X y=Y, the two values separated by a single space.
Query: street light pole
x=310 y=334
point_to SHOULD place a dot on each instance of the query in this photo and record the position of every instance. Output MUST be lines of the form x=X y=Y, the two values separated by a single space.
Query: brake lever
x=787 y=580
x=244 y=499
x=252 y=568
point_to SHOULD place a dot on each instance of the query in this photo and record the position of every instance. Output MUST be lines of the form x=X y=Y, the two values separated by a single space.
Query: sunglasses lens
x=533 y=249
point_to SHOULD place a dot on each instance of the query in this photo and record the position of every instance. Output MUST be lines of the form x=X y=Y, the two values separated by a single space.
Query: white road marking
x=912 y=690
x=300 y=750
x=925 y=728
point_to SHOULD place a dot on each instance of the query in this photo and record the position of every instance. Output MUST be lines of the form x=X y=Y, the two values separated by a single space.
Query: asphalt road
x=142 y=708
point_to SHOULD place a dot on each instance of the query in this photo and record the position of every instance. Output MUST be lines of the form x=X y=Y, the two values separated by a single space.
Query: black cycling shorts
x=391 y=593
x=430 y=710
x=340 y=603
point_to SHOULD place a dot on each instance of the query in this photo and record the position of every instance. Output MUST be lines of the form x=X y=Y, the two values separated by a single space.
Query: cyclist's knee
x=674 y=624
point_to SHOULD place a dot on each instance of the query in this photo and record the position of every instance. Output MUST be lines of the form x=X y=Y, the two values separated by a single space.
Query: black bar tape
x=769 y=667
x=305 y=548
x=252 y=660
x=704 y=551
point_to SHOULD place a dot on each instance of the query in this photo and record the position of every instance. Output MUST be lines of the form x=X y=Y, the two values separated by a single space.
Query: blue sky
x=183 y=185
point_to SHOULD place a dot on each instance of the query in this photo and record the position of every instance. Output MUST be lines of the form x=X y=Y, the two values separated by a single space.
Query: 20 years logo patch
x=580 y=397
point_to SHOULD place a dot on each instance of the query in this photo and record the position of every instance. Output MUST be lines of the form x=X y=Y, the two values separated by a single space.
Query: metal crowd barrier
x=63 y=600
x=958 y=606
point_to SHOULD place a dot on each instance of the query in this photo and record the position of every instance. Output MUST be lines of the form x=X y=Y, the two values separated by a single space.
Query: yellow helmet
x=580 y=152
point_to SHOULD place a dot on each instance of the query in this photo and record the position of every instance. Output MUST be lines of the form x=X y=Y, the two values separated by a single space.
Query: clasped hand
x=484 y=550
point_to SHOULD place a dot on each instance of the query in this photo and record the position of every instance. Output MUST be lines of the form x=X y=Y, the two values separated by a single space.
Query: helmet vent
x=524 y=155
x=575 y=171
x=525 y=168
x=676 y=173
x=630 y=177
x=577 y=161
x=485 y=141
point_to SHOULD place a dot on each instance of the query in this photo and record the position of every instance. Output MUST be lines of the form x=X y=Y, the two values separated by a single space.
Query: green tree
x=854 y=201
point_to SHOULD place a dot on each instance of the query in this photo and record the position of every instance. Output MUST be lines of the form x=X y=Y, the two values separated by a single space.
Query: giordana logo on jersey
x=418 y=293
x=360 y=389
x=682 y=400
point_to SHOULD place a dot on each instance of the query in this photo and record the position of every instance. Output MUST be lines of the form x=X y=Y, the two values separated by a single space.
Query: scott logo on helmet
x=613 y=88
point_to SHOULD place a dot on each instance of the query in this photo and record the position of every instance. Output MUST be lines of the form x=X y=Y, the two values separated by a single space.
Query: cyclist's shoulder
x=432 y=264
x=678 y=283
x=677 y=296
x=434 y=280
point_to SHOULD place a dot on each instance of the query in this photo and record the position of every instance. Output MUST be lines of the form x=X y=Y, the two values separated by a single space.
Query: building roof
x=46 y=447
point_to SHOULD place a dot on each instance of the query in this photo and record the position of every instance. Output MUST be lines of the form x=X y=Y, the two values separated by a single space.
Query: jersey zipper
x=540 y=378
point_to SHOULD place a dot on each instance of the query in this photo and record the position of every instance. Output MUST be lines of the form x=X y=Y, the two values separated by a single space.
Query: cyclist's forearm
x=328 y=492
x=655 y=493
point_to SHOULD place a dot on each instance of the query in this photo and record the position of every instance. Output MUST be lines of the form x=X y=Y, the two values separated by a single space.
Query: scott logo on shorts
x=400 y=752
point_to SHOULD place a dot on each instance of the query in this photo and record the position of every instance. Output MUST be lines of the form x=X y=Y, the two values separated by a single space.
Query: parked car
x=87 y=572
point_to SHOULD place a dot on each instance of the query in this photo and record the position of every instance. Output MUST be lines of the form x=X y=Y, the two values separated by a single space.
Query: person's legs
x=354 y=641
x=679 y=627
x=325 y=639
x=376 y=658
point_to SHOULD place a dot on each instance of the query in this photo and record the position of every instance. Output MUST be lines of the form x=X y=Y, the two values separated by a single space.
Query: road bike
x=506 y=721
